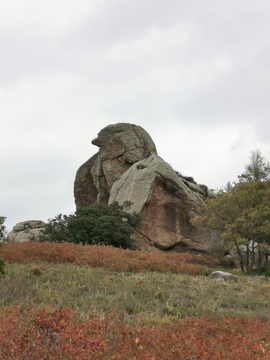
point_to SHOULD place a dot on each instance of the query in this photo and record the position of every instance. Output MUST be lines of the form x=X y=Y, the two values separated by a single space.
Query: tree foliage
x=2 y=228
x=242 y=215
x=95 y=224
x=258 y=169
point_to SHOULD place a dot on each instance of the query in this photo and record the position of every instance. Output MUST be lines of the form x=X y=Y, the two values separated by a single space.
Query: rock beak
x=96 y=142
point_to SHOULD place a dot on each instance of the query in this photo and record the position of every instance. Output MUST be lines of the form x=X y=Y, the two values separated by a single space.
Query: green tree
x=243 y=217
x=95 y=224
x=56 y=230
x=258 y=169
x=2 y=228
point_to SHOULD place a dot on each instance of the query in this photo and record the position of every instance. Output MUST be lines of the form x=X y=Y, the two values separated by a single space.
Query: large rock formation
x=26 y=230
x=168 y=204
x=120 y=146
x=127 y=168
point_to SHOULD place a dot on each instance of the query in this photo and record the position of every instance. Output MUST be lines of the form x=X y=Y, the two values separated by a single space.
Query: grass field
x=148 y=298
x=171 y=314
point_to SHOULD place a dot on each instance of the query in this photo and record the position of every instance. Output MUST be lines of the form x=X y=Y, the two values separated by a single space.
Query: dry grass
x=146 y=298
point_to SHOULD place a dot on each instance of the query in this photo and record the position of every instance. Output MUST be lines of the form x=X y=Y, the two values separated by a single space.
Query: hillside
x=66 y=301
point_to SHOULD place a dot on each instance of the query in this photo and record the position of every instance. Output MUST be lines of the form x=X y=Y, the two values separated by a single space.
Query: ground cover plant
x=61 y=335
x=149 y=298
x=67 y=301
x=105 y=256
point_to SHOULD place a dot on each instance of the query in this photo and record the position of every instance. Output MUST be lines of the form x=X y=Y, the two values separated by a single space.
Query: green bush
x=2 y=266
x=263 y=270
x=95 y=224
x=56 y=230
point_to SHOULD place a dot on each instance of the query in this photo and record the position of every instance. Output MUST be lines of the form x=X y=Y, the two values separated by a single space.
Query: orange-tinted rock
x=168 y=205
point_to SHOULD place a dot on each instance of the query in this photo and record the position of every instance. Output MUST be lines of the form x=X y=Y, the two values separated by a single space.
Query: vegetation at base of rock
x=61 y=334
x=106 y=256
x=95 y=224
x=243 y=217
x=241 y=212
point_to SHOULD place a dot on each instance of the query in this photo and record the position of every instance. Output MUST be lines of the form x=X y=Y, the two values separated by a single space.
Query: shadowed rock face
x=127 y=168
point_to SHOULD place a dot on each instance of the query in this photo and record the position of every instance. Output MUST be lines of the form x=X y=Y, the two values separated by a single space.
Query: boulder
x=168 y=204
x=120 y=146
x=127 y=167
x=26 y=230
x=224 y=276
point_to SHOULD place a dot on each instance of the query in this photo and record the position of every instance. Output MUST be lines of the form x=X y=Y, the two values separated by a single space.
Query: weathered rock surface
x=127 y=168
x=168 y=204
x=120 y=146
x=26 y=230
x=224 y=276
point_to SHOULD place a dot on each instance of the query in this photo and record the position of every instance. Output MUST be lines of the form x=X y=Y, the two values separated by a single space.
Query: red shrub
x=60 y=335
x=105 y=256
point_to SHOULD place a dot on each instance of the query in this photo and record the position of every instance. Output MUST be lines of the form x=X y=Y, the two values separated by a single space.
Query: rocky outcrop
x=120 y=146
x=168 y=204
x=127 y=168
x=26 y=230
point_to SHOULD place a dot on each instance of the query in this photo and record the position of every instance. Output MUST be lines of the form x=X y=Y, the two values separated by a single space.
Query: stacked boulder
x=127 y=168
x=26 y=230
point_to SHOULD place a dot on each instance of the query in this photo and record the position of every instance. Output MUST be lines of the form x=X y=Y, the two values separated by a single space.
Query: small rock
x=223 y=275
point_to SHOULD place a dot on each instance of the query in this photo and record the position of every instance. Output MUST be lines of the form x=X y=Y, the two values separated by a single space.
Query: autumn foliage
x=109 y=257
x=50 y=333
x=61 y=335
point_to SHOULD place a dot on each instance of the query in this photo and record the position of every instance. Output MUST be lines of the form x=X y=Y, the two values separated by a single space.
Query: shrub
x=2 y=266
x=109 y=257
x=263 y=270
x=60 y=334
x=95 y=224
x=35 y=271
x=56 y=230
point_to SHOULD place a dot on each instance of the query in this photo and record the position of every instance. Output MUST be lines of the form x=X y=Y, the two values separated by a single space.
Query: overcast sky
x=194 y=74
